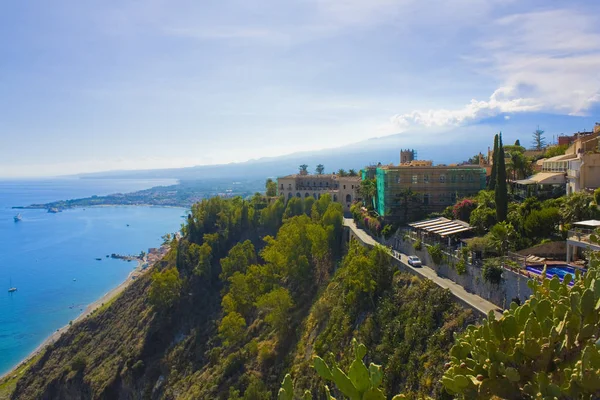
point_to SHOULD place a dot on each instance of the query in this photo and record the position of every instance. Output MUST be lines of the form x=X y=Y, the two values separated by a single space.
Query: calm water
x=51 y=258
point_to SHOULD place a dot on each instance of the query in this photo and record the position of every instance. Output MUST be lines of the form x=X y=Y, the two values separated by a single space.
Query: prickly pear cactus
x=360 y=383
x=286 y=392
x=547 y=348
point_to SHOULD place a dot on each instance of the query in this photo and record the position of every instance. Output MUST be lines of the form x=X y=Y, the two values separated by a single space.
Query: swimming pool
x=560 y=270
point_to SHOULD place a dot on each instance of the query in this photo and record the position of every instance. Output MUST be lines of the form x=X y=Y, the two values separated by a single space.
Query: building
x=579 y=239
x=575 y=171
x=343 y=190
x=583 y=169
x=408 y=191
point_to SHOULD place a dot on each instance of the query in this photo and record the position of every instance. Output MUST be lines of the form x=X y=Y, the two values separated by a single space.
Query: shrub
x=418 y=245
x=492 y=272
x=78 y=363
x=461 y=267
x=436 y=253
x=387 y=231
x=597 y=196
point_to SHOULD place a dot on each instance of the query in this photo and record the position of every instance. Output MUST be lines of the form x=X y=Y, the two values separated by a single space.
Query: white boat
x=18 y=217
x=11 y=289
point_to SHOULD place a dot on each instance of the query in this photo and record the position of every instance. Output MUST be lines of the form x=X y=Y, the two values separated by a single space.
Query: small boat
x=98 y=259
x=18 y=217
x=53 y=210
x=127 y=224
x=11 y=289
x=74 y=279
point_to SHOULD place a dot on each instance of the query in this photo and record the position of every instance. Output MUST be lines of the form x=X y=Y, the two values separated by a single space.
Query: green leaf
x=375 y=375
x=322 y=368
x=359 y=375
x=512 y=374
x=344 y=384
x=373 y=394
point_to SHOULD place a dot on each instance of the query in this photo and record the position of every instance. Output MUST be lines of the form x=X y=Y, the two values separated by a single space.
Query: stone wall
x=513 y=285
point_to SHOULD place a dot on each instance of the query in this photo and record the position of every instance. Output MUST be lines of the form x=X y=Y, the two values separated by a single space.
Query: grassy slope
x=127 y=351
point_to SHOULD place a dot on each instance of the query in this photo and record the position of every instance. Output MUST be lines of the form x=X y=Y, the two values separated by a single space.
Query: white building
x=343 y=190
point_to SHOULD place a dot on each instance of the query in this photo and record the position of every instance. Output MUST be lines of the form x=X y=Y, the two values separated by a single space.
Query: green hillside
x=250 y=292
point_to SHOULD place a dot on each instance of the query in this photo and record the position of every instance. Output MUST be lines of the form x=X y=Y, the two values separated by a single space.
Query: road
x=474 y=301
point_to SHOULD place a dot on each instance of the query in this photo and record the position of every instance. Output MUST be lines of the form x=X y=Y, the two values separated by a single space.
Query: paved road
x=457 y=290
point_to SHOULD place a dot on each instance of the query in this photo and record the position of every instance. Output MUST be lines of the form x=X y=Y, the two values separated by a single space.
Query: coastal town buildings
x=343 y=189
x=575 y=171
x=416 y=188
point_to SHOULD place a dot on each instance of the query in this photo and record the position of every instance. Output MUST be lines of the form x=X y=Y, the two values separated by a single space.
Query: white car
x=414 y=261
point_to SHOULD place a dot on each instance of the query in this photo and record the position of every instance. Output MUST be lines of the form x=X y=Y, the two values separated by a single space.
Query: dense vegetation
x=251 y=291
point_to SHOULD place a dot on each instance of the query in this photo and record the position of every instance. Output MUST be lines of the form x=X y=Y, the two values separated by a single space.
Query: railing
x=581 y=235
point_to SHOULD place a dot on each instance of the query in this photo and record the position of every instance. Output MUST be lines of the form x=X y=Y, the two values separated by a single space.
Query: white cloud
x=546 y=61
x=502 y=100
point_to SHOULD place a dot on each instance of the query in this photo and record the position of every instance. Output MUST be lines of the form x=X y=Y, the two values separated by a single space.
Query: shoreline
x=108 y=296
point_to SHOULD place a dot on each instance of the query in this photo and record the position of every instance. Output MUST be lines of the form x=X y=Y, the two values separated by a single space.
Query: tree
x=554 y=151
x=492 y=182
x=542 y=224
x=276 y=306
x=517 y=142
x=320 y=168
x=239 y=258
x=271 y=187
x=501 y=190
x=368 y=190
x=597 y=196
x=295 y=206
x=232 y=329
x=578 y=207
x=303 y=169
x=165 y=288
x=462 y=209
x=308 y=205
x=352 y=172
x=501 y=236
x=342 y=172
x=474 y=160
x=539 y=142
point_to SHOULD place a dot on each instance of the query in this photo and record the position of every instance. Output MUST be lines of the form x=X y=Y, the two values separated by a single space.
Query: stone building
x=343 y=190
x=412 y=190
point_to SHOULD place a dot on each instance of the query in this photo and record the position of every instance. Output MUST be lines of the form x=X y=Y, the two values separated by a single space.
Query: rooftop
x=321 y=176
x=442 y=226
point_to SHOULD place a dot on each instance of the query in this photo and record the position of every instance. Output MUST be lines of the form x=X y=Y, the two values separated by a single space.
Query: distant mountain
x=442 y=146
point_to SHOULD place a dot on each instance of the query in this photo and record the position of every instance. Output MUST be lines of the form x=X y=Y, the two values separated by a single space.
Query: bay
x=51 y=258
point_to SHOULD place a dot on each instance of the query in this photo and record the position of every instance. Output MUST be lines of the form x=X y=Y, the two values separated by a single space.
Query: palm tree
x=352 y=172
x=368 y=190
x=342 y=172
x=303 y=169
x=320 y=168
x=408 y=196
x=501 y=236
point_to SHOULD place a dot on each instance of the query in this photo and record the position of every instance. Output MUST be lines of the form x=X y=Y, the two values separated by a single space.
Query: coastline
x=108 y=296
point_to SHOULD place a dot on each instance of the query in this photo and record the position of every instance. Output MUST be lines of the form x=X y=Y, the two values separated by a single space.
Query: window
x=425 y=178
x=470 y=177
x=344 y=187
x=289 y=186
x=282 y=186
x=442 y=178
x=462 y=177
x=426 y=199
x=453 y=178
x=352 y=186
x=453 y=197
x=298 y=195
x=348 y=198
x=398 y=180
x=415 y=179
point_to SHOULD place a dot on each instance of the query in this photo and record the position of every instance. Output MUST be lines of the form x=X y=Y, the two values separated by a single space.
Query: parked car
x=414 y=261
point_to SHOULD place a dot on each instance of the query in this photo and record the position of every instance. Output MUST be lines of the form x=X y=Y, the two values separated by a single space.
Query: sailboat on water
x=18 y=217
x=11 y=289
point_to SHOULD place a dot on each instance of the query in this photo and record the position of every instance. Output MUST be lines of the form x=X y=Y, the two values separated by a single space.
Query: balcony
x=573 y=173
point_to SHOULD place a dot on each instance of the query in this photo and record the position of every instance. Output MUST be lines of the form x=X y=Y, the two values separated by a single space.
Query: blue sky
x=101 y=85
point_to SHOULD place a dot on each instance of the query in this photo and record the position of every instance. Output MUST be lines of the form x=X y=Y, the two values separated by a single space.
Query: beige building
x=583 y=170
x=343 y=190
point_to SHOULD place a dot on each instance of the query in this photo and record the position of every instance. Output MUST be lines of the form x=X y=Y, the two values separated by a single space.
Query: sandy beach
x=138 y=271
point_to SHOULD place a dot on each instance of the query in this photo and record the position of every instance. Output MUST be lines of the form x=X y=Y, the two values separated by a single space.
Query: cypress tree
x=492 y=182
x=501 y=191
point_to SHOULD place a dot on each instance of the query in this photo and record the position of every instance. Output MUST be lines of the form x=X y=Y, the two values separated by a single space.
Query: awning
x=591 y=223
x=544 y=178
x=441 y=226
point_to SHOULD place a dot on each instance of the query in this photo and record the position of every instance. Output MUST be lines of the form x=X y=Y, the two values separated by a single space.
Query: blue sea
x=51 y=258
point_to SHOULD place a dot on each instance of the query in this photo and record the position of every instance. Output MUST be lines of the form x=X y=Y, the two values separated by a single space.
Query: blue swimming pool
x=559 y=270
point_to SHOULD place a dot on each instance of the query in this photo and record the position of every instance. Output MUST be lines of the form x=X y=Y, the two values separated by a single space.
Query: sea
x=52 y=258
